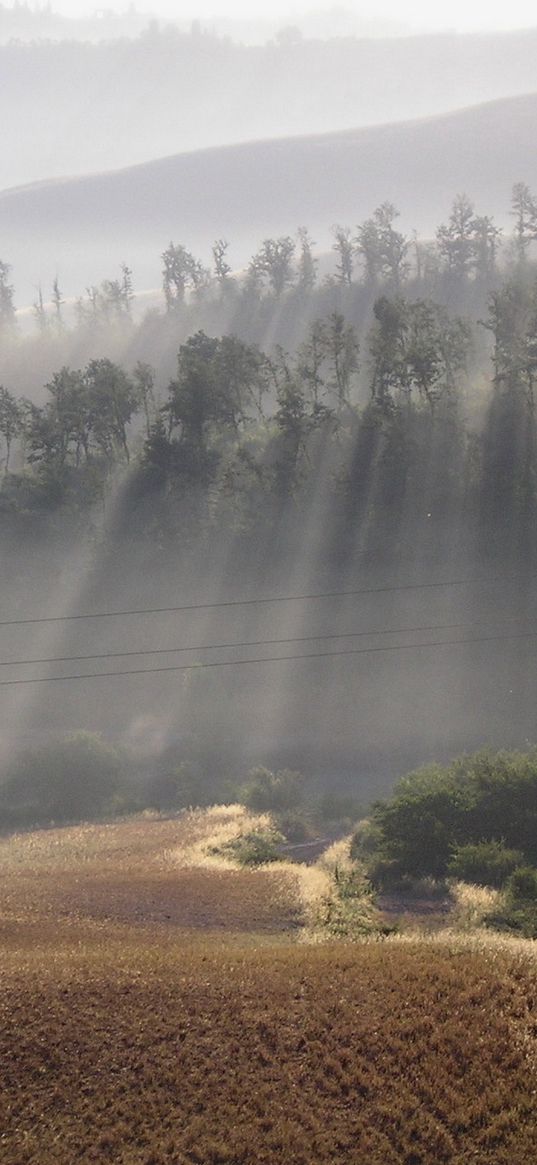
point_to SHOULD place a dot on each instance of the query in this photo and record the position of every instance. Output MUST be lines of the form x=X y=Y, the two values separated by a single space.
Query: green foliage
x=519 y=910
x=349 y=911
x=177 y=786
x=522 y=885
x=255 y=848
x=438 y=811
x=487 y=863
x=338 y=807
x=295 y=826
x=75 y=778
x=267 y=792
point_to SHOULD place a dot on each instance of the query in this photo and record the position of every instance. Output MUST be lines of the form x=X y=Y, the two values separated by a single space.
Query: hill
x=69 y=106
x=83 y=227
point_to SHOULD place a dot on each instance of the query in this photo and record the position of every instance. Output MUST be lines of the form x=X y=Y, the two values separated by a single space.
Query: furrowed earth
x=159 y=1005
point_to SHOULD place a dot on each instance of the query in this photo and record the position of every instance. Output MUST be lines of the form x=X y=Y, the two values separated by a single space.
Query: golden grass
x=471 y=904
x=215 y=828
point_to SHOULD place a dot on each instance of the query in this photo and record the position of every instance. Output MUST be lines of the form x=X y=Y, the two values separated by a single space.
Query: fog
x=257 y=504
x=72 y=107
x=349 y=721
x=82 y=229
x=387 y=681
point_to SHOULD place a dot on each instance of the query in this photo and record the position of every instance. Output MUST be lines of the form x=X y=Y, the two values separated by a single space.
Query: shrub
x=439 y=811
x=295 y=827
x=519 y=911
x=267 y=792
x=522 y=885
x=255 y=848
x=75 y=778
x=485 y=863
x=336 y=807
x=366 y=840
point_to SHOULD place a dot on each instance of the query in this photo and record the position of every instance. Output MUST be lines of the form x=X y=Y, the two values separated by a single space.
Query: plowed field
x=145 y=1026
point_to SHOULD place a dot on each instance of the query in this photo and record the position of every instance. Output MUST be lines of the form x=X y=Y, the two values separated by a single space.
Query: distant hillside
x=84 y=227
x=73 y=107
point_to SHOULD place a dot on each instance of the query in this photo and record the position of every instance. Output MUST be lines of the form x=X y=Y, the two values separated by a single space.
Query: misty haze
x=268 y=547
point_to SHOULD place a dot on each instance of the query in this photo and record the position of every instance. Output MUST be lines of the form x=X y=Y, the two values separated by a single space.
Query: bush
x=438 y=812
x=75 y=778
x=336 y=807
x=366 y=840
x=177 y=787
x=295 y=828
x=522 y=885
x=256 y=848
x=519 y=913
x=267 y=792
x=485 y=863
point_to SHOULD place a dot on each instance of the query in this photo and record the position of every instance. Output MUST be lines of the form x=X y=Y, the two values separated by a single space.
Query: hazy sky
x=460 y=14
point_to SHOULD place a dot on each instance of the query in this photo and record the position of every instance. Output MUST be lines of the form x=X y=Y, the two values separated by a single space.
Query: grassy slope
x=133 y=1040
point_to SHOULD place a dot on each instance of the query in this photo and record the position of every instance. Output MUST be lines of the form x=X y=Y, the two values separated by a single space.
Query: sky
x=461 y=15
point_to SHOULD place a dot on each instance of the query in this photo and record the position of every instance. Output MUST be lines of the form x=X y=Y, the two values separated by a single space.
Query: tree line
x=466 y=249
x=240 y=435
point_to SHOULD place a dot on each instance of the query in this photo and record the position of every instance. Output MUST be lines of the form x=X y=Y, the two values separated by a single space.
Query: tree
x=222 y=269
x=486 y=239
x=70 y=413
x=311 y=358
x=7 y=307
x=144 y=383
x=509 y=484
x=112 y=402
x=524 y=211
x=439 y=811
x=72 y=779
x=268 y=792
x=435 y=350
x=127 y=290
x=307 y=264
x=10 y=421
x=114 y=298
x=415 y=346
x=343 y=246
x=241 y=375
x=387 y=347
x=39 y=311
x=342 y=350
x=180 y=272
x=58 y=302
x=274 y=262
x=292 y=422
x=456 y=239
x=382 y=248
x=196 y=402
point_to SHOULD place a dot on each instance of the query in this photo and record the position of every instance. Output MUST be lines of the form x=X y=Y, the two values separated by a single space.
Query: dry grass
x=471 y=904
x=159 y=1013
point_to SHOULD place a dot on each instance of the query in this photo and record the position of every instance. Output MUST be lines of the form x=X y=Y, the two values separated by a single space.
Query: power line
x=258 y=602
x=251 y=643
x=267 y=659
